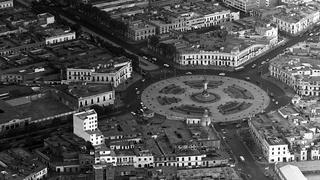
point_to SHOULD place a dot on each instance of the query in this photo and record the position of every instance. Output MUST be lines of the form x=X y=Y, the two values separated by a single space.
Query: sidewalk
x=285 y=88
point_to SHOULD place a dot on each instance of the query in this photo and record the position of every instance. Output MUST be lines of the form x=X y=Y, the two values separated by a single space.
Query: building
x=105 y=155
x=299 y=72
x=72 y=151
x=187 y=16
x=80 y=96
x=85 y=125
x=233 y=51
x=296 y=19
x=248 y=5
x=139 y=30
x=118 y=4
x=116 y=71
x=6 y=4
x=189 y=158
x=289 y=172
x=143 y=159
x=271 y=142
x=21 y=164
x=53 y=36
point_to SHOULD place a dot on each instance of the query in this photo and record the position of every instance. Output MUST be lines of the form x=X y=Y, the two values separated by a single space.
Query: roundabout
x=226 y=99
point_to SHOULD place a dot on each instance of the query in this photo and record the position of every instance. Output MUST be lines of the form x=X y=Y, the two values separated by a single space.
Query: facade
x=294 y=20
x=85 y=125
x=189 y=159
x=58 y=36
x=248 y=5
x=299 y=72
x=143 y=159
x=104 y=155
x=139 y=30
x=273 y=146
x=200 y=14
x=115 y=72
x=288 y=172
x=6 y=4
x=82 y=96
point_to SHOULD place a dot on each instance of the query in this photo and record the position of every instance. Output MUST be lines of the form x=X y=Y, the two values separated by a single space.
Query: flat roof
x=89 y=89
x=9 y=113
x=84 y=114
x=19 y=163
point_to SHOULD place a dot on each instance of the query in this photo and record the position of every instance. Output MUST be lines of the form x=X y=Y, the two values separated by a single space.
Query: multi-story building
x=248 y=5
x=235 y=51
x=6 y=4
x=271 y=142
x=199 y=14
x=85 y=125
x=299 y=72
x=81 y=96
x=296 y=19
x=119 y=4
x=116 y=71
x=105 y=155
x=189 y=158
x=139 y=30
x=143 y=159
x=53 y=36
x=21 y=164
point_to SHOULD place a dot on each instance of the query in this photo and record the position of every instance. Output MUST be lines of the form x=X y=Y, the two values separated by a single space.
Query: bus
x=239 y=68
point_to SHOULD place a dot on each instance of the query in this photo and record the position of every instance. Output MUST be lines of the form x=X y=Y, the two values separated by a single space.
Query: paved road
x=249 y=166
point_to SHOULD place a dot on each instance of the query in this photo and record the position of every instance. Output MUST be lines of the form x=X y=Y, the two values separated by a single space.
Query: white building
x=53 y=36
x=289 y=172
x=6 y=4
x=46 y=18
x=273 y=146
x=189 y=159
x=105 y=155
x=115 y=72
x=143 y=159
x=295 y=20
x=302 y=73
x=85 y=125
x=125 y=158
x=315 y=153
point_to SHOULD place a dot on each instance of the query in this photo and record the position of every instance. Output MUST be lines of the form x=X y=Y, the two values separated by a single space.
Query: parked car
x=188 y=73
x=166 y=65
x=253 y=66
x=222 y=74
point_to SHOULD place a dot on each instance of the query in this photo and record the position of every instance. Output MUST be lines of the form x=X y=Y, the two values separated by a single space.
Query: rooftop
x=81 y=91
x=301 y=67
x=296 y=13
x=84 y=114
x=268 y=131
x=18 y=163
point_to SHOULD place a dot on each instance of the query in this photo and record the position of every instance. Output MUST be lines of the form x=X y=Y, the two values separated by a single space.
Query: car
x=145 y=57
x=143 y=80
x=188 y=73
x=253 y=66
x=136 y=89
x=154 y=59
x=268 y=60
x=242 y=158
x=311 y=34
x=222 y=74
x=138 y=92
x=263 y=62
x=133 y=113
x=277 y=102
x=247 y=78
x=273 y=100
x=166 y=65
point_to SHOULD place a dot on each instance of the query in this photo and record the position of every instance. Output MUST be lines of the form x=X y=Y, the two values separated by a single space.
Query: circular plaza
x=226 y=99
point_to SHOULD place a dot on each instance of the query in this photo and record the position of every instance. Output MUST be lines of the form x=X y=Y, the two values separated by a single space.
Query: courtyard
x=226 y=99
